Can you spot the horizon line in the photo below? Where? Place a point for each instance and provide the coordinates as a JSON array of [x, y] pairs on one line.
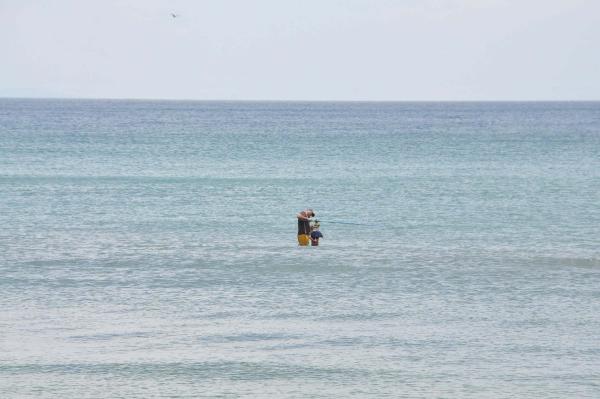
[[292, 100]]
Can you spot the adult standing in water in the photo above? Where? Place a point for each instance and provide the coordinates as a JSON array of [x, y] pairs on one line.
[[304, 226]]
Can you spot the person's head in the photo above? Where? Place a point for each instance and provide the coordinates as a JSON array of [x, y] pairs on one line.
[[311, 213]]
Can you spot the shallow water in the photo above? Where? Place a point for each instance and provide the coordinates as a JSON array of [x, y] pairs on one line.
[[148, 249]]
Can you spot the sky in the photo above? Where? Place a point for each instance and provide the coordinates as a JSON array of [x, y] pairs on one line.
[[346, 50]]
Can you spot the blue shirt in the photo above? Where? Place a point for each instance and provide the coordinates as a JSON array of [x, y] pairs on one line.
[[316, 234]]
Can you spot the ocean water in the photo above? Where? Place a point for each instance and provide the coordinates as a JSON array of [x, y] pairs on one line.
[[148, 249]]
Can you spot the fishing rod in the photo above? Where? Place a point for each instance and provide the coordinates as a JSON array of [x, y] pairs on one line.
[[352, 223]]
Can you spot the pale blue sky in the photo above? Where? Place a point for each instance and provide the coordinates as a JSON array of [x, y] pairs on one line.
[[302, 50]]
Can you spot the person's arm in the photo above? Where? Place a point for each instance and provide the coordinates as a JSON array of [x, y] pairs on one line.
[[302, 216]]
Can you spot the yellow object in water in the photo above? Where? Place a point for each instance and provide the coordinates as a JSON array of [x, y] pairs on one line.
[[303, 239]]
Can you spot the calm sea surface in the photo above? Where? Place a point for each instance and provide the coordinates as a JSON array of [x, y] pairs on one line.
[[148, 249]]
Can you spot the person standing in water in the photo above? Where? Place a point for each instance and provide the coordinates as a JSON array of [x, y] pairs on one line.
[[304, 226]]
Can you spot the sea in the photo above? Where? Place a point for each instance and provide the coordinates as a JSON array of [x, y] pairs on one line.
[[148, 249]]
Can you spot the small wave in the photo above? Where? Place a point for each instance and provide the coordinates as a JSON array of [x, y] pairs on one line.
[[249, 337], [245, 371], [566, 261], [109, 336]]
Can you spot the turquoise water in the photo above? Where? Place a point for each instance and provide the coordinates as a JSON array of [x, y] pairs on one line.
[[148, 249]]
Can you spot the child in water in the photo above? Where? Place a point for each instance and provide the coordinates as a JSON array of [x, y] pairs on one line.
[[315, 234]]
